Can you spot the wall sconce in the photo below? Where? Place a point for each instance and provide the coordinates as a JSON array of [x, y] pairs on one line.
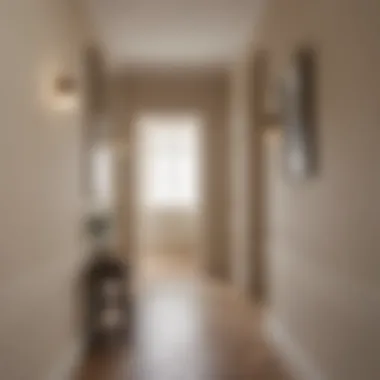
[[65, 93]]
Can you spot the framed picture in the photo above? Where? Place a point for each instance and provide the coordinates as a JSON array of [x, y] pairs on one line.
[[298, 116]]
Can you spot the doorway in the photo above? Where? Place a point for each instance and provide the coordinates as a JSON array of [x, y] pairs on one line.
[[169, 196]]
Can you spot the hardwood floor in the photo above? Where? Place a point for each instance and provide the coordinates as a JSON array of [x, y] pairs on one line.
[[188, 329]]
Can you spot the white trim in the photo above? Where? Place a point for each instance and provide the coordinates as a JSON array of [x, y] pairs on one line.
[[67, 363], [290, 351]]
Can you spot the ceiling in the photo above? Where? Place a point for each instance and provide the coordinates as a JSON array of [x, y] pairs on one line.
[[196, 33]]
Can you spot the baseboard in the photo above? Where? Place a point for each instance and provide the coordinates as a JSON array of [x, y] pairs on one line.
[[294, 357], [68, 362]]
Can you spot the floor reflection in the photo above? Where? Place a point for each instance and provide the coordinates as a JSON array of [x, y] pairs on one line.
[[188, 328]]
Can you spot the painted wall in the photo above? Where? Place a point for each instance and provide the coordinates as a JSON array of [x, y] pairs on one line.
[[241, 168], [173, 92], [322, 234], [39, 194]]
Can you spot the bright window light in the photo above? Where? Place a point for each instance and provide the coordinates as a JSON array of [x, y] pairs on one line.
[[170, 159]]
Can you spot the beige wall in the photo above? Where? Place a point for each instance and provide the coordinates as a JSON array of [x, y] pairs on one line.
[[174, 92], [39, 193], [241, 197], [323, 238]]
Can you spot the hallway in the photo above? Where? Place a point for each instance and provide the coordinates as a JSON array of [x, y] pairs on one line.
[[263, 154], [188, 328]]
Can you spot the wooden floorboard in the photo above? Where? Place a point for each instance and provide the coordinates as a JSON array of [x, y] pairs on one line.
[[188, 329]]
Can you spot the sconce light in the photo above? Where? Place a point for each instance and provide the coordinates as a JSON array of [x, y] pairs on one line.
[[65, 93]]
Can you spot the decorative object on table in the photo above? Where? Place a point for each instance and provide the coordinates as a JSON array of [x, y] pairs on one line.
[[107, 301], [106, 283], [298, 115]]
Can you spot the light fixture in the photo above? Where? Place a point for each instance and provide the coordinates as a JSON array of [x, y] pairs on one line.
[[65, 93]]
